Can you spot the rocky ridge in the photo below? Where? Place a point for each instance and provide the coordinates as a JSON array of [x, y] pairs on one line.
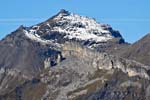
[[69, 57]]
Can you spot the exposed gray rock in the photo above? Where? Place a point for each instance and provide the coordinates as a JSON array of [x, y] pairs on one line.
[[70, 57]]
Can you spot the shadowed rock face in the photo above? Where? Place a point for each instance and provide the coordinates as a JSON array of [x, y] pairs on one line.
[[70, 57]]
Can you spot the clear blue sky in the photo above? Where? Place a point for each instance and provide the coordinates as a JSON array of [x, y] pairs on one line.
[[130, 17]]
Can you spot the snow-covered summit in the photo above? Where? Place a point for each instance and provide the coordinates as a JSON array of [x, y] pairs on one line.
[[73, 27], [81, 28]]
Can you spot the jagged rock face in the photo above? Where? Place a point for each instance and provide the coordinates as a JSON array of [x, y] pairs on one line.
[[66, 58], [29, 48], [89, 75]]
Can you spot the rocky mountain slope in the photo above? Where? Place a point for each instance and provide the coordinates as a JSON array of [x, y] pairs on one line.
[[86, 75], [139, 51], [70, 57]]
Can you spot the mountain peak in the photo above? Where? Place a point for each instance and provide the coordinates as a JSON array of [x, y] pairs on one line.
[[63, 12], [21, 27], [145, 38], [147, 35], [70, 26], [52, 61]]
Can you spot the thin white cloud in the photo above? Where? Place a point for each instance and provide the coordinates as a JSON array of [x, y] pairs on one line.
[[31, 20]]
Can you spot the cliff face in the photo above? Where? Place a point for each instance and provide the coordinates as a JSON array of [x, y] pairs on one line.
[[91, 75], [86, 74], [70, 57]]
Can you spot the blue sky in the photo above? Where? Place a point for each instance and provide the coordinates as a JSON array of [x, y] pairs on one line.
[[130, 17]]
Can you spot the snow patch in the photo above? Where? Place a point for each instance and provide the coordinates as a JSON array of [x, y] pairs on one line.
[[32, 34], [48, 25], [81, 28]]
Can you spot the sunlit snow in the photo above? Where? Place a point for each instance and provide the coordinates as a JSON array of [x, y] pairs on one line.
[[82, 28], [75, 27]]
